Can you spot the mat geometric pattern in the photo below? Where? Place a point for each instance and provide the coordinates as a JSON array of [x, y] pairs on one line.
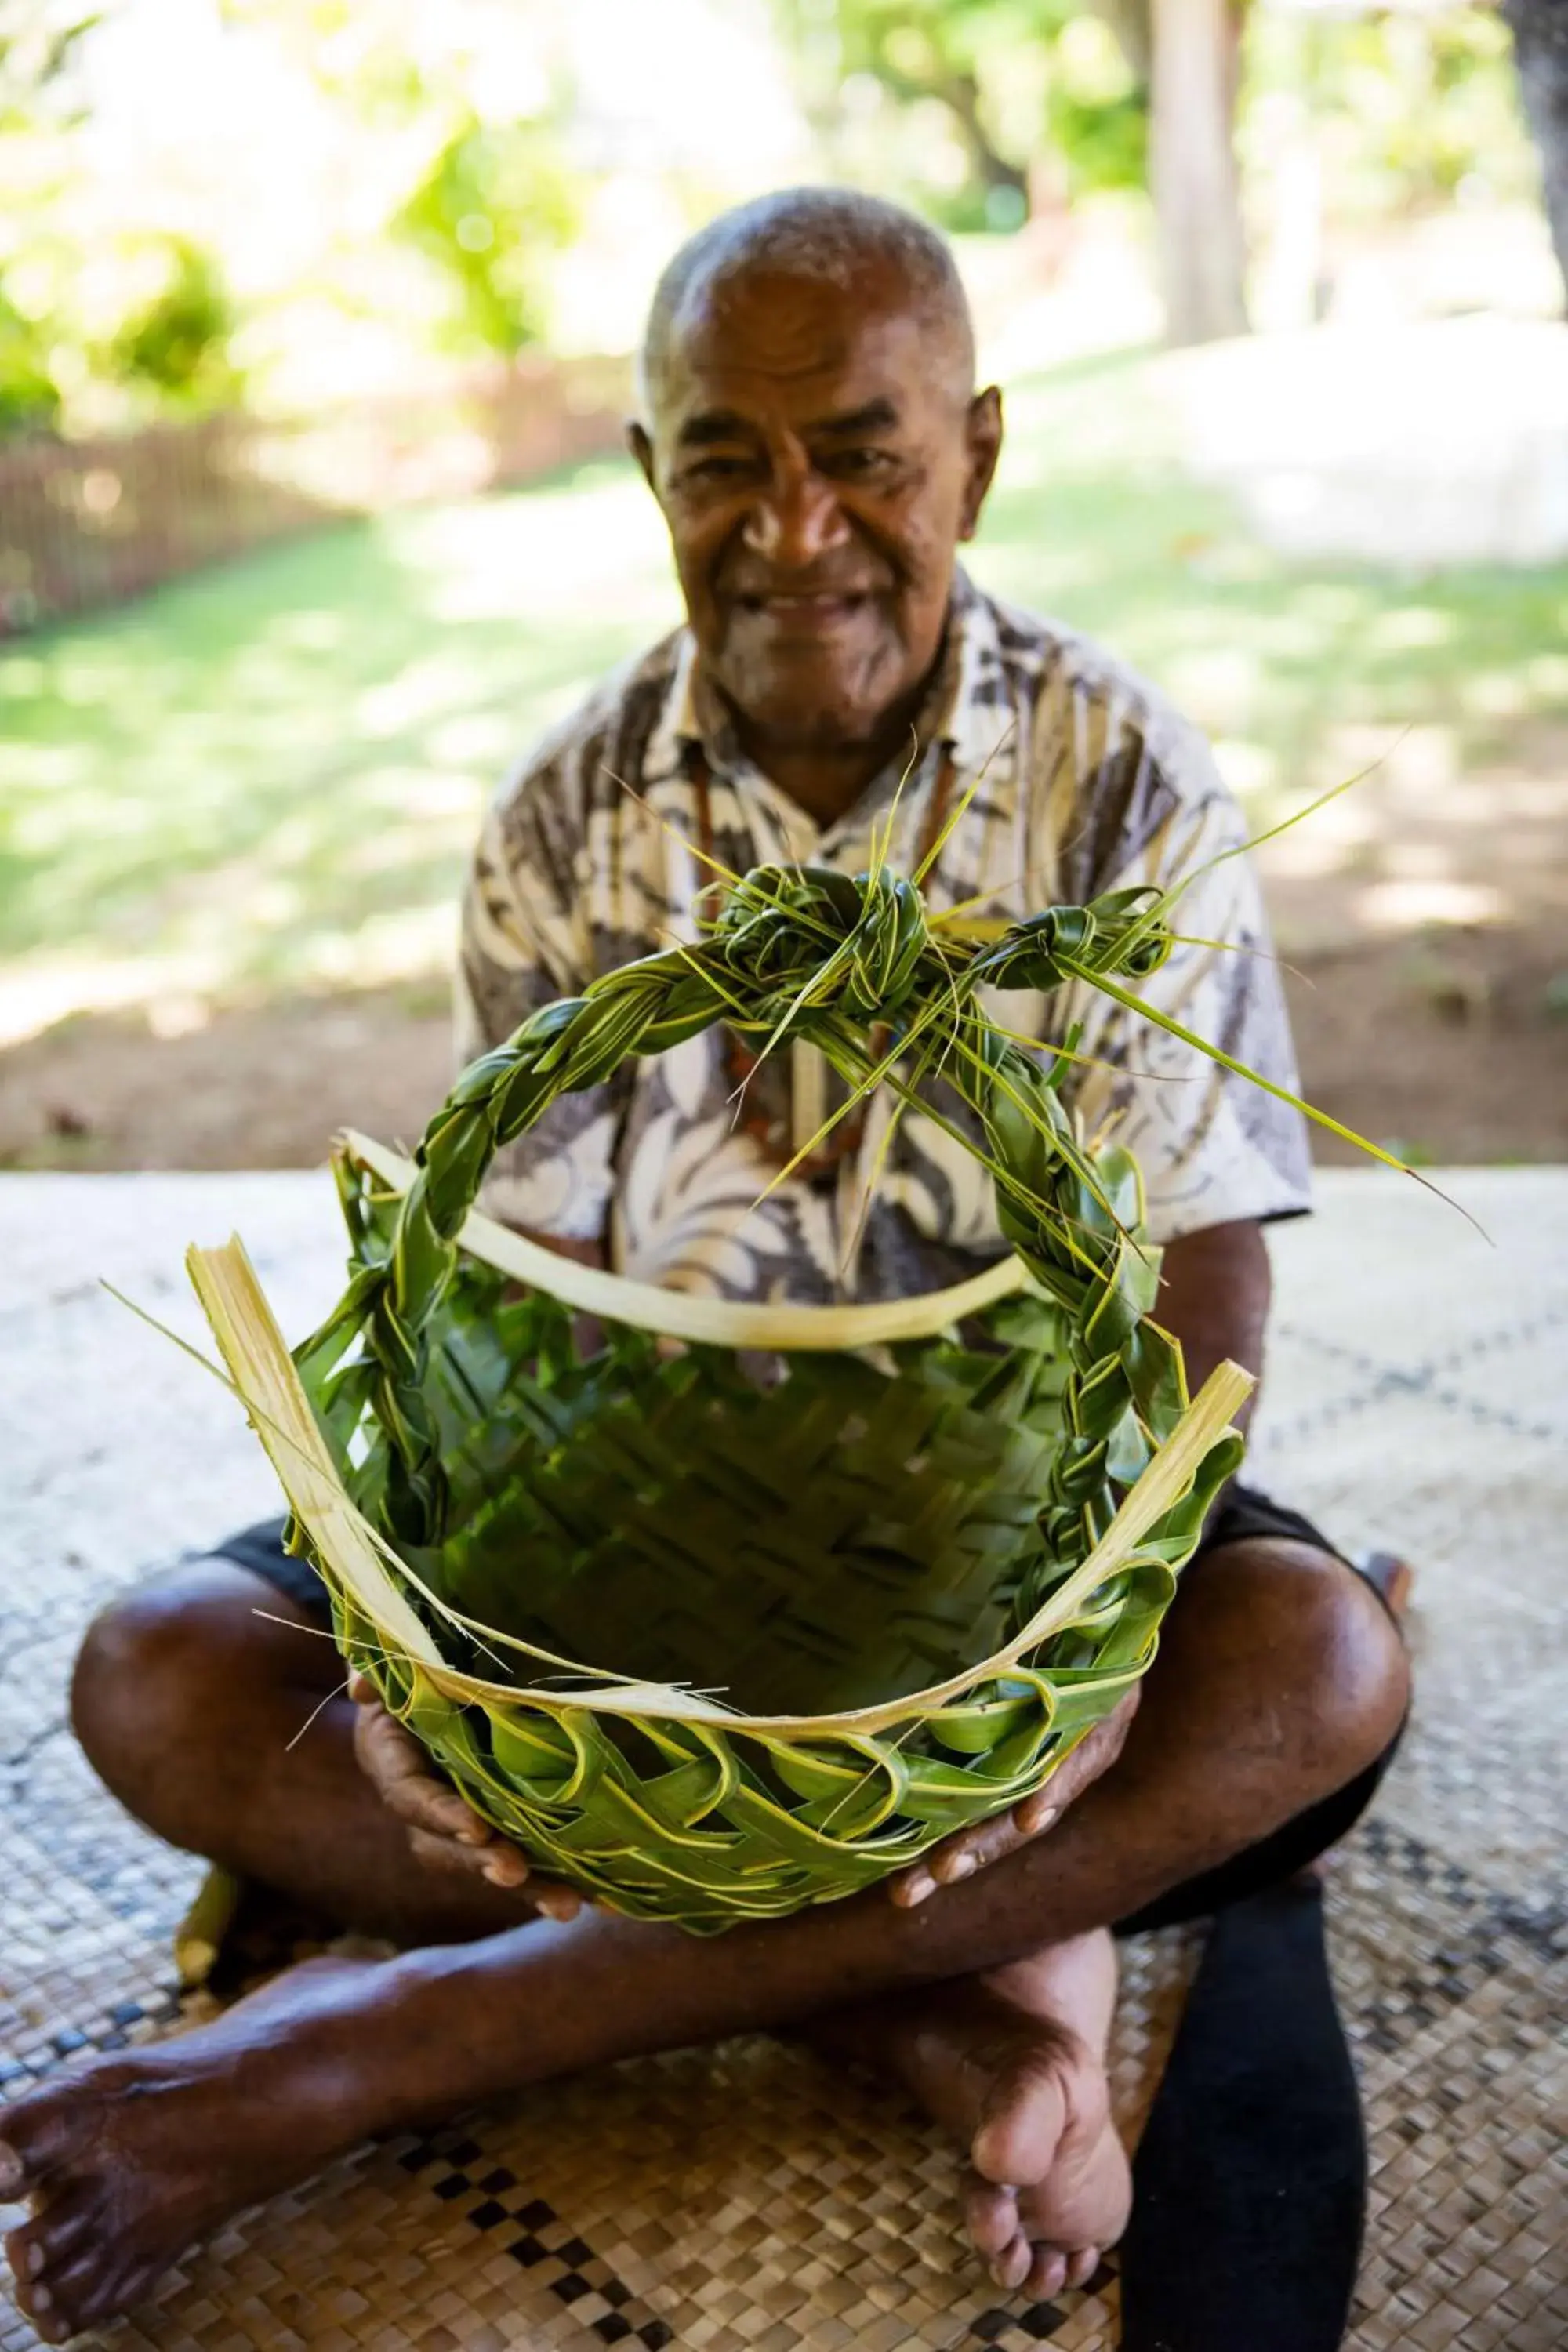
[[1416, 1398]]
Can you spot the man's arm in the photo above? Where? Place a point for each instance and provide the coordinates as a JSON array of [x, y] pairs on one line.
[[1215, 1289]]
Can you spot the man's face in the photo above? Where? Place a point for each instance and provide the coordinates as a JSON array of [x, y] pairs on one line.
[[818, 466]]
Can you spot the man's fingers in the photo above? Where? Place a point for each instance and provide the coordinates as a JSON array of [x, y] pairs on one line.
[[444, 1831], [505, 1865], [557, 1901], [1036, 1813], [976, 1849], [400, 1772], [443, 1853], [1094, 1754], [511, 1870], [501, 1866], [957, 1858], [960, 1857]]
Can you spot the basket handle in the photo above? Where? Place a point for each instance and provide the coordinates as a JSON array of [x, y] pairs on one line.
[[811, 952]]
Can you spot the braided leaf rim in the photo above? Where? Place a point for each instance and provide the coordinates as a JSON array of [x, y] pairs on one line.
[[802, 951]]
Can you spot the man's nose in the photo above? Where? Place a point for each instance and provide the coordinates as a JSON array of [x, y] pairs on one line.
[[796, 519]]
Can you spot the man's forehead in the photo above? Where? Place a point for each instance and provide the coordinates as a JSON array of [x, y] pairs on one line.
[[813, 362], [751, 300]]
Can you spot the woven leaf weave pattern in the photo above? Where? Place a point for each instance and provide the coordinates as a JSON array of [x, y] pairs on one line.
[[849, 1534]]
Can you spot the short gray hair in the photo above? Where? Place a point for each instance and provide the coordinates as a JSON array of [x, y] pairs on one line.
[[825, 234]]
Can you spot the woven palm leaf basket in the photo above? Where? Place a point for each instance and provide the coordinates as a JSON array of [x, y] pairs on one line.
[[710, 1644]]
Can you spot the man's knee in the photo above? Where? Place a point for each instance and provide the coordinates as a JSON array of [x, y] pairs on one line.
[[1328, 1657], [157, 1678]]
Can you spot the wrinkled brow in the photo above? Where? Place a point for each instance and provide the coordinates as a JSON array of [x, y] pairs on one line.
[[877, 416], [713, 424]]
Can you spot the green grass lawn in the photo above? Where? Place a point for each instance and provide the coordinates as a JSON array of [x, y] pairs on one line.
[[266, 776]]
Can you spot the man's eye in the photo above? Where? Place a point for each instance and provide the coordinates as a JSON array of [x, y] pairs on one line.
[[859, 464], [717, 469]]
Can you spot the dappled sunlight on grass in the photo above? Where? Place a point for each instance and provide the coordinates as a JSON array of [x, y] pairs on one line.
[[234, 779], [1094, 520], [269, 773]]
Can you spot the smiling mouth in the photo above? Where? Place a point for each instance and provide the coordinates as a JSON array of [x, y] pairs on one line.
[[815, 608]]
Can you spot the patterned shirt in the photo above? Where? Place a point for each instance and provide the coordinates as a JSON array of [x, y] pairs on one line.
[[1088, 781]]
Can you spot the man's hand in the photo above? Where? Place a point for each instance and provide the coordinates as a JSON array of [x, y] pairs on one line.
[[444, 1831], [960, 1857]]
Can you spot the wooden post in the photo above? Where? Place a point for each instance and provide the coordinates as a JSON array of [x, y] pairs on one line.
[[1193, 172]]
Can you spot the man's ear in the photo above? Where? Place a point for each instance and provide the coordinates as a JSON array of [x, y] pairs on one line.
[[641, 448], [983, 437]]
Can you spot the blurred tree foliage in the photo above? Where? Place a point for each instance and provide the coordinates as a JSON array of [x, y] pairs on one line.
[[1097, 101], [1405, 107], [36, 43], [177, 344], [1053, 98], [1413, 103], [29, 396], [495, 201], [1019, 82], [130, 290], [419, 171]]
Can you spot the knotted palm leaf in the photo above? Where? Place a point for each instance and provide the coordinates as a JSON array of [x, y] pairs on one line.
[[713, 1645]]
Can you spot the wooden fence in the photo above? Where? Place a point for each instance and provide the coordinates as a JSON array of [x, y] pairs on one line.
[[90, 522]]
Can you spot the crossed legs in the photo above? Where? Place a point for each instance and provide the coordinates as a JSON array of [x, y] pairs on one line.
[[1280, 1679]]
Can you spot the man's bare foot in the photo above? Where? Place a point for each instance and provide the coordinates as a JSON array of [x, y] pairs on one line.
[[131, 2160], [1015, 2063]]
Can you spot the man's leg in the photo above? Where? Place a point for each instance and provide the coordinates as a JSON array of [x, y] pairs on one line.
[[1280, 1679], [213, 1706], [246, 1695]]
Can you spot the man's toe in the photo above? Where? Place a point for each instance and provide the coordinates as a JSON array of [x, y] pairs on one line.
[[69, 2221], [1011, 2267], [37, 2304], [1048, 2272], [82, 2293], [991, 2217], [41, 2134], [25, 2254]]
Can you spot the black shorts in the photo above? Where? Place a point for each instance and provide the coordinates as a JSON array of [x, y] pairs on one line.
[[1242, 1514]]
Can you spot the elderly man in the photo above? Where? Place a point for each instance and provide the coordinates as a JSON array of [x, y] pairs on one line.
[[811, 431]]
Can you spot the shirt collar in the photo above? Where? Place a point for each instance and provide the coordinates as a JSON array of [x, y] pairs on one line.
[[968, 712]]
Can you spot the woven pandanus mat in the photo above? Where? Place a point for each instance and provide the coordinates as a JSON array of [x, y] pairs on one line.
[[748, 2196]]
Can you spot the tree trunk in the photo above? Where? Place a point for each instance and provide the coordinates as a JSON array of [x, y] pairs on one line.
[[961, 94], [1540, 29], [1193, 173]]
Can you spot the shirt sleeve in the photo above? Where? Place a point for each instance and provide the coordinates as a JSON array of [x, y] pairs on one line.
[[1213, 1147], [525, 943]]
